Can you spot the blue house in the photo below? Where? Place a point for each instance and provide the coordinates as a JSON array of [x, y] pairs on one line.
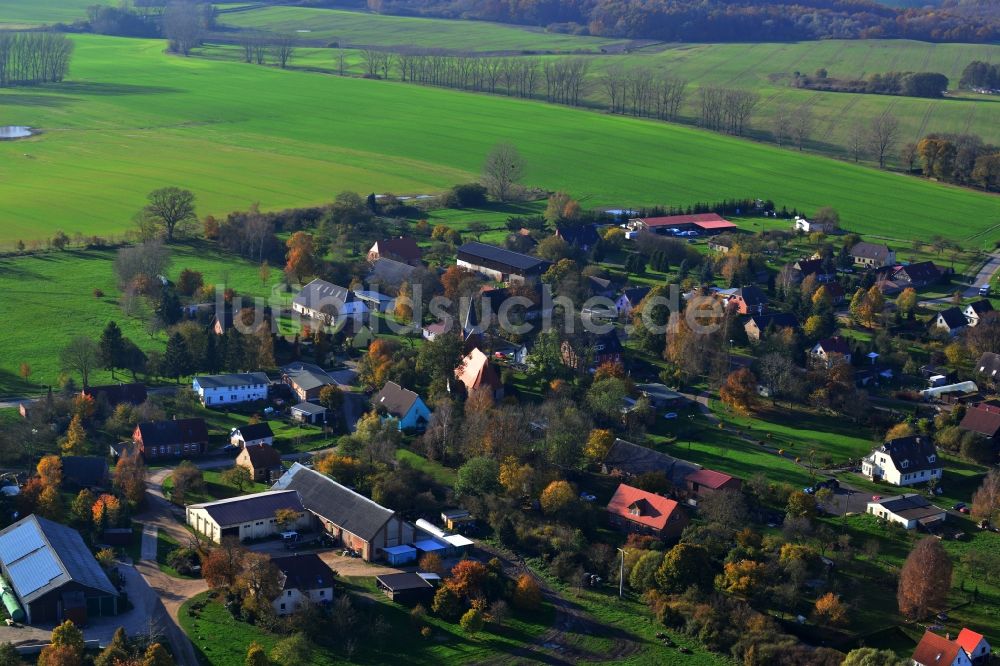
[[403, 405]]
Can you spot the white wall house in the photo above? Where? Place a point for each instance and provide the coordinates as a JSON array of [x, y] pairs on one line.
[[245, 517], [305, 580], [910, 511], [903, 462], [214, 390], [253, 434]]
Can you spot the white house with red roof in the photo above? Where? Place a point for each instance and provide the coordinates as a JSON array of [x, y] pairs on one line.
[[706, 481], [934, 650], [975, 646], [635, 510]]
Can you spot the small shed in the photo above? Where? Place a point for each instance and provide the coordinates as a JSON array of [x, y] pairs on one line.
[[405, 588], [399, 555], [308, 412], [430, 546], [452, 518]]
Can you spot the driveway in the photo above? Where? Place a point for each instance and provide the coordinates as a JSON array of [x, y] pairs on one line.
[[848, 500]]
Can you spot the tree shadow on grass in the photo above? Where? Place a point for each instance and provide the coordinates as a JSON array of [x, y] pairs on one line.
[[51, 101], [110, 89]]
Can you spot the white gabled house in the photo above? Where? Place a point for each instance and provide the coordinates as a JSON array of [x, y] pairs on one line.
[[903, 462], [231, 389], [305, 580], [909, 510]]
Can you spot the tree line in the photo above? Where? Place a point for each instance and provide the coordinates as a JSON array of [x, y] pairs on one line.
[[963, 159], [721, 20], [641, 91], [980, 75], [906, 84], [30, 58]]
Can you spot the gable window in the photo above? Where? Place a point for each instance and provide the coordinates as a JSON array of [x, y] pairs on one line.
[[904, 464], [931, 458]]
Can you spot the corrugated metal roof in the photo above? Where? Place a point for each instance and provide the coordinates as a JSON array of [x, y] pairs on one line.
[[40, 555], [242, 509]]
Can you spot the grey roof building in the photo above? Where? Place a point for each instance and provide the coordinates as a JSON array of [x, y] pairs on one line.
[[499, 263], [360, 523], [244, 517], [53, 573], [628, 459], [235, 380]]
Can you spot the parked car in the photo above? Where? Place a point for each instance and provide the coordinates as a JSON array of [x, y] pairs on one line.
[[670, 415], [587, 497], [876, 498], [959, 506]]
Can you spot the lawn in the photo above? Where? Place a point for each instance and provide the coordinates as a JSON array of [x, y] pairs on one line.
[[443, 475], [447, 645], [697, 441], [215, 489], [356, 29], [130, 114], [52, 296]]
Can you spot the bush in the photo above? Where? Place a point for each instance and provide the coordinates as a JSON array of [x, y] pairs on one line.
[[468, 195]]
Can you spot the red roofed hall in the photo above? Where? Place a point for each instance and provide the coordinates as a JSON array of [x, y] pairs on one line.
[[705, 222], [975, 646], [934, 650], [635, 510], [706, 481]]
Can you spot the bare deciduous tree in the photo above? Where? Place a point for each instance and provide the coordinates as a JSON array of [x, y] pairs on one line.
[[781, 125], [856, 140], [183, 25], [81, 355], [504, 166], [882, 136], [801, 125], [282, 50]]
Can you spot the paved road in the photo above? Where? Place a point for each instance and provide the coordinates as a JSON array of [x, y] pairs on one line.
[[984, 276]]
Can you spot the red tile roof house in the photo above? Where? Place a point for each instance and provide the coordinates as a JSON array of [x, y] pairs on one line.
[[403, 249], [934, 650], [707, 223], [983, 419], [635, 510], [707, 481], [975, 646]]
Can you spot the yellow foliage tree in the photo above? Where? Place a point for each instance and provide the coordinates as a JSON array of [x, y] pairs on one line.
[[557, 496], [598, 444], [744, 578], [75, 443], [899, 431], [514, 476], [740, 391], [107, 510]]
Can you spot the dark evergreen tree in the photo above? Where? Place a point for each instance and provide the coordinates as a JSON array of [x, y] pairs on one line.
[[169, 307], [177, 358]]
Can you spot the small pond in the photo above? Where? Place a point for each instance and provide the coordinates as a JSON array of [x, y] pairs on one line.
[[14, 132]]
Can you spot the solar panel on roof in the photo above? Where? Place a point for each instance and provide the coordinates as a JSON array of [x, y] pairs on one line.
[[19, 542], [34, 571]]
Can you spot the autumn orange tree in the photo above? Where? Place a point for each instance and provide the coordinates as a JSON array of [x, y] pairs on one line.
[[829, 609], [301, 257], [222, 566], [468, 579], [527, 594], [925, 579], [106, 511], [373, 369], [739, 391], [130, 478], [50, 471]]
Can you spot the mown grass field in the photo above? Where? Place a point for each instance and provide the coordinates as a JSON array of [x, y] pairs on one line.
[[134, 119], [349, 28], [764, 67], [49, 298], [26, 13]]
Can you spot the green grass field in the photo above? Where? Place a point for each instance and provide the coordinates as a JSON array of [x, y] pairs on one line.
[[350, 28], [138, 119], [50, 297], [26, 13], [765, 67]]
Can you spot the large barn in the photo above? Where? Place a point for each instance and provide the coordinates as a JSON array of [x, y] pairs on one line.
[[53, 574]]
